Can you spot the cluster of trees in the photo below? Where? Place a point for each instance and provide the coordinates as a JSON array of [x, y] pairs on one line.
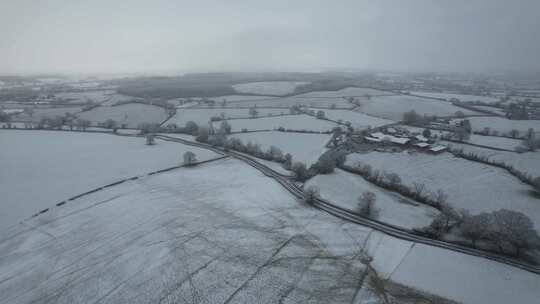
[[509, 231], [366, 204], [517, 111], [530, 141], [4, 117]]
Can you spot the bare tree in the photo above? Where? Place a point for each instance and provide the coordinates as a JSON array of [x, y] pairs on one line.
[[150, 140], [311, 194], [366, 204], [202, 134], [516, 229], [419, 189], [300, 170], [189, 158], [476, 227]]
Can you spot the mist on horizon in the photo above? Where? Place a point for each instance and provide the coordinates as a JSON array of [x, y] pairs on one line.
[[59, 36]]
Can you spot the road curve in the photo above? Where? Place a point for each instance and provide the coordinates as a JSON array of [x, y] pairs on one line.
[[354, 217]]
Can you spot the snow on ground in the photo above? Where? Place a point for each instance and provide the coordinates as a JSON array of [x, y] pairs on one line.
[[229, 98], [268, 87], [292, 122], [465, 279], [503, 125], [321, 102], [42, 168], [393, 107], [495, 141], [469, 185], [344, 189], [303, 147], [492, 109], [52, 112], [83, 97], [461, 97], [347, 92], [131, 114], [527, 162], [168, 238], [358, 120], [202, 116]]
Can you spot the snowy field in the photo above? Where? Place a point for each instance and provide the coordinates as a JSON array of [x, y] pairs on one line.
[[393, 107], [527, 162], [268, 87], [303, 147], [492, 109], [461, 97], [292, 122], [131, 114], [503, 125], [202, 116], [167, 238], [83, 97], [495, 141], [42, 168], [358, 120], [347, 92], [469, 185], [52, 112], [344, 189], [321, 102]]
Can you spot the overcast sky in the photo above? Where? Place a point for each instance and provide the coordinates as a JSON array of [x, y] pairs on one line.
[[103, 36]]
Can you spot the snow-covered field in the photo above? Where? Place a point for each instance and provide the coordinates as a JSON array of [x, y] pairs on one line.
[[202, 116], [268, 87], [358, 120], [503, 125], [344, 189], [42, 168], [470, 185], [322, 102], [292, 122], [527, 162], [492, 109], [303, 147], [167, 238], [347, 92], [495, 141], [461, 97], [83, 97], [52, 112], [393, 107], [131, 114]]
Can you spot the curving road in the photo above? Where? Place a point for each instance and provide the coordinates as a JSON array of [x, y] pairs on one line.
[[351, 216]]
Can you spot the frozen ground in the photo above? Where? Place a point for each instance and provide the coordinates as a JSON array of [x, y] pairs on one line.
[[167, 238], [527, 162], [52, 112], [292, 122], [322, 102], [492, 109], [344, 189], [268, 87], [495, 141], [503, 125], [131, 114], [83, 97], [42, 168], [358, 120], [393, 107], [303, 147], [461, 97], [469, 185], [202, 116], [347, 92]]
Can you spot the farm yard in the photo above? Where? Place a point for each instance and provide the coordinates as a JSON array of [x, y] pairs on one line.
[[393, 107], [203, 116], [469, 185], [131, 114], [268, 87], [344, 189], [36, 174], [302, 146], [288, 122]]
